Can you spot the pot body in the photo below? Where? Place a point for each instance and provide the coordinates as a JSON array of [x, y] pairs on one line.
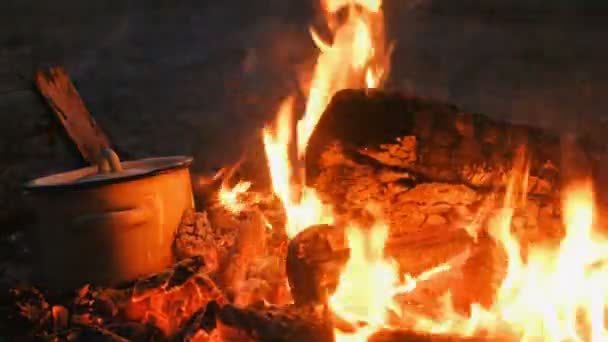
[[110, 233]]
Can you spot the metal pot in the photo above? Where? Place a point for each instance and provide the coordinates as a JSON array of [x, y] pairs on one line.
[[111, 223]]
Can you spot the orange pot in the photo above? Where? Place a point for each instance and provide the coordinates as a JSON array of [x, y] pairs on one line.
[[104, 227]]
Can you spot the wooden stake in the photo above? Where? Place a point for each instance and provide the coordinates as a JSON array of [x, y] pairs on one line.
[[63, 98]]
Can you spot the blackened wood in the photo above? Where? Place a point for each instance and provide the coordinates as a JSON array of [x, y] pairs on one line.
[[409, 336], [289, 324], [444, 144], [309, 323], [314, 260], [63, 98]]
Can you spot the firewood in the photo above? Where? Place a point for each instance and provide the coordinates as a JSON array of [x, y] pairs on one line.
[[314, 260], [408, 336], [287, 323], [436, 141], [307, 323], [88, 333], [63, 98], [317, 255], [429, 165]]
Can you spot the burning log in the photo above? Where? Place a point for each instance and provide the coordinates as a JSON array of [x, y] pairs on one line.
[[432, 141], [428, 164], [318, 254], [314, 260]]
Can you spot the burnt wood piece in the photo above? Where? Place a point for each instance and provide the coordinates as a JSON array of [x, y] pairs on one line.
[[286, 323], [408, 336], [317, 255], [307, 323], [435, 142], [63, 98]]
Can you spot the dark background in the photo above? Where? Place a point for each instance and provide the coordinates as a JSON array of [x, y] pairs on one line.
[[201, 77]]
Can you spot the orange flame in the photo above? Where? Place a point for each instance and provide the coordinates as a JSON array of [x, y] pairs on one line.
[[355, 59], [276, 145], [556, 294], [367, 282], [306, 210], [230, 198]]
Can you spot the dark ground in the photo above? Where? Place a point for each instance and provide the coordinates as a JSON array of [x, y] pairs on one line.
[[201, 77]]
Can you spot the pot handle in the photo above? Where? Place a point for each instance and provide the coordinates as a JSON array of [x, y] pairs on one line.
[[119, 219], [108, 161]]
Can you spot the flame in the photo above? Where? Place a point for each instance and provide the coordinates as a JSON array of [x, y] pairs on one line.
[[230, 198], [369, 284], [365, 289], [553, 293], [276, 144], [556, 293], [354, 59], [308, 209]]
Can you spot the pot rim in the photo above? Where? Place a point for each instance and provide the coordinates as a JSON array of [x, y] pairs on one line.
[[80, 178]]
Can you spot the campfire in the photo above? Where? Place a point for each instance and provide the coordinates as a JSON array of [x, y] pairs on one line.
[[389, 218]]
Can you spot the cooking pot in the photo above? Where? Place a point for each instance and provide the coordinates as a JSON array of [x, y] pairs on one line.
[[110, 223]]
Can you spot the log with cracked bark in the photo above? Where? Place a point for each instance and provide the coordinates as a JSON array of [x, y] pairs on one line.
[[429, 165], [317, 255]]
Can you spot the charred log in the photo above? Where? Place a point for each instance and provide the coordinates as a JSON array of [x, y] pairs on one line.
[[408, 336], [314, 260], [308, 323], [289, 323], [317, 255], [436, 141], [429, 165]]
